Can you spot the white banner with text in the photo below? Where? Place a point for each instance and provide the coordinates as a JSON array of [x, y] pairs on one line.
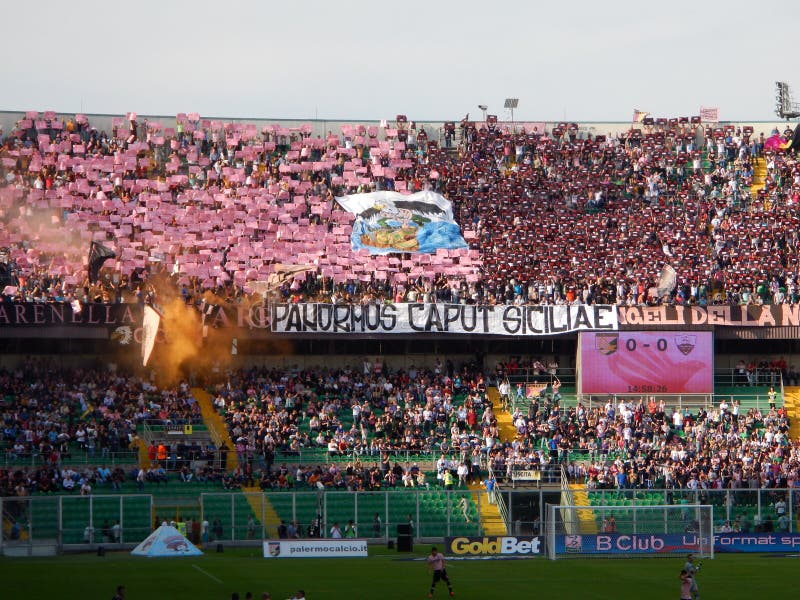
[[315, 548], [405, 318]]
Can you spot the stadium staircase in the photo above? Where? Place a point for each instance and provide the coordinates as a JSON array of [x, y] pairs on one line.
[[759, 175], [491, 519], [504, 424], [141, 449], [8, 523], [791, 401], [216, 425], [262, 508], [579, 497], [259, 503], [586, 517]]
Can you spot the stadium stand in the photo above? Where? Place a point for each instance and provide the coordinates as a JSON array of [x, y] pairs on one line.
[[218, 205], [351, 413], [52, 413], [550, 217]]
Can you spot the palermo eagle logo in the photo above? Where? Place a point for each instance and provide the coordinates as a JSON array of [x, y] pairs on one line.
[[123, 335], [573, 543], [606, 343]]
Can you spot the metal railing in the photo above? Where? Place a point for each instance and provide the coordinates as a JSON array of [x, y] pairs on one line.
[[748, 510], [524, 375], [682, 402], [321, 455], [754, 378], [75, 458], [432, 514], [495, 497], [156, 431], [567, 499], [748, 503], [166, 425], [531, 472], [722, 377], [75, 521], [85, 522], [691, 402]]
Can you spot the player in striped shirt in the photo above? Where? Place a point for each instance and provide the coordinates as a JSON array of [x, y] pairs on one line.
[[436, 564]]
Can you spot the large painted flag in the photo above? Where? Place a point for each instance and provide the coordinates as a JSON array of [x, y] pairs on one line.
[[388, 222]]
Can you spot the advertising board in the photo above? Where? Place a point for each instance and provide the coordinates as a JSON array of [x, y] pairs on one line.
[[508, 545], [315, 548], [657, 544]]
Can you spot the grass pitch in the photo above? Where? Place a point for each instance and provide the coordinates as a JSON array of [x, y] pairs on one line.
[[386, 575]]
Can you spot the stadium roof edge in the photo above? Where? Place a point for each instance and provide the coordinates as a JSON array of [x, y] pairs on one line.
[[358, 120]]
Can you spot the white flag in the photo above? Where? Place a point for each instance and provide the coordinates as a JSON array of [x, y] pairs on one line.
[[205, 310], [667, 281], [150, 323]]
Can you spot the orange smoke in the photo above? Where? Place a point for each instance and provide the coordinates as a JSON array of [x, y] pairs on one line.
[[183, 348]]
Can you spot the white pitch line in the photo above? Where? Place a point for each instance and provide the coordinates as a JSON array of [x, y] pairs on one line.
[[207, 574]]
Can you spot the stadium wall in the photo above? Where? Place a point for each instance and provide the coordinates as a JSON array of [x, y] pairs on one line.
[[298, 358], [321, 127]]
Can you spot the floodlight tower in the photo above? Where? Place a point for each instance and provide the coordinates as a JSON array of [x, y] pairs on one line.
[[511, 104], [785, 108], [483, 109]]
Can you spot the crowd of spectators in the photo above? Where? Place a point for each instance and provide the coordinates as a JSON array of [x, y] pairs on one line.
[[644, 443], [58, 479], [372, 473], [372, 418], [370, 413], [50, 412], [557, 216], [382, 427], [215, 204], [367, 418], [564, 219]]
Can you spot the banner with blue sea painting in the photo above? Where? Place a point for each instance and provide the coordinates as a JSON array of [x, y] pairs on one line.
[[390, 222]]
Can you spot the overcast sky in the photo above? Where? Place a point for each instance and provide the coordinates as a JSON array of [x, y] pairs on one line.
[[432, 60]]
